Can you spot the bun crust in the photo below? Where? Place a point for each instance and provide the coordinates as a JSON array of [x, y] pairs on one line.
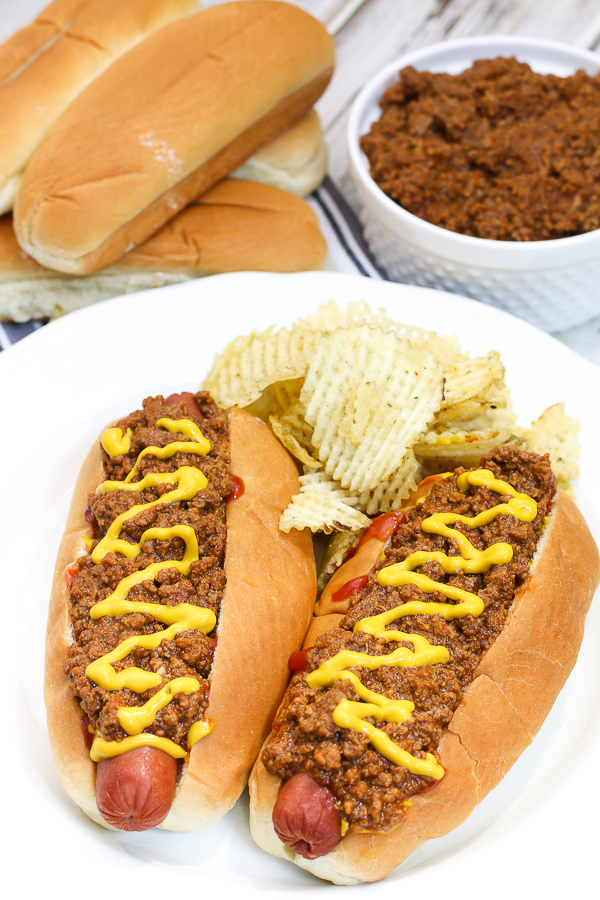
[[45, 65], [196, 99], [271, 584], [515, 687]]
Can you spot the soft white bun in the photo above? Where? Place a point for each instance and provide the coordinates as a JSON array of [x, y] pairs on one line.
[[163, 124], [45, 65], [267, 605], [236, 226], [515, 685], [295, 161]]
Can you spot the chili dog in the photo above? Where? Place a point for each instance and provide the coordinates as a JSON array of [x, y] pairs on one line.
[[174, 590], [423, 682]]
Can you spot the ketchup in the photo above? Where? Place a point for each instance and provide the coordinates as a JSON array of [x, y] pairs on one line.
[[351, 587], [189, 400], [429, 785], [70, 574], [237, 490], [381, 528], [298, 662], [88, 737]]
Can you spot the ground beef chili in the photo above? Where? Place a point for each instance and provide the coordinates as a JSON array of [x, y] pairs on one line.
[[369, 789], [190, 653], [497, 152]]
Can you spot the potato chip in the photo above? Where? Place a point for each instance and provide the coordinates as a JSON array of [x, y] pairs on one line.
[[251, 363], [340, 544], [556, 433], [330, 318], [474, 417], [389, 494], [276, 399], [294, 433], [322, 505], [321, 483], [461, 448], [478, 381], [369, 395]]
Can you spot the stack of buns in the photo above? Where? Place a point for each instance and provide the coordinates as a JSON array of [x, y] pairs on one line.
[[197, 97]]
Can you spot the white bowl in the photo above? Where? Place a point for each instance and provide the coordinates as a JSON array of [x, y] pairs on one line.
[[553, 284]]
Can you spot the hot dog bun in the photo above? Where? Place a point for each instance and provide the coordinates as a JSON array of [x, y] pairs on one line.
[[267, 605], [45, 65], [195, 100], [501, 710], [236, 226], [295, 161]]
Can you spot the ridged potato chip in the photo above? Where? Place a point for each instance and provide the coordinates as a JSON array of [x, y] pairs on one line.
[[322, 505], [556, 433], [295, 434], [376, 406], [369, 395], [330, 317], [251, 363], [389, 494], [478, 381]]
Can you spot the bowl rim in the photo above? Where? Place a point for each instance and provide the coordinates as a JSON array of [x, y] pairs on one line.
[[359, 164]]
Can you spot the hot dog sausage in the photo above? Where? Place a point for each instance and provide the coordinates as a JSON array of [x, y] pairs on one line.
[[305, 817], [135, 791], [190, 402]]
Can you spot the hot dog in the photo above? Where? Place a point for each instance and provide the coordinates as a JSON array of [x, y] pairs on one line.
[[476, 597], [173, 591]]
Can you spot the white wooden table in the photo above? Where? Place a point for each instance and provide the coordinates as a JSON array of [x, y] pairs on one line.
[[371, 33]]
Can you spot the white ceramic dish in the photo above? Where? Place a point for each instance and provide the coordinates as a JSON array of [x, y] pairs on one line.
[[552, 284], [58, 387]]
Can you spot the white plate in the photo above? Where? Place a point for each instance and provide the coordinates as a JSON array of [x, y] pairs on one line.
[[537, 832]]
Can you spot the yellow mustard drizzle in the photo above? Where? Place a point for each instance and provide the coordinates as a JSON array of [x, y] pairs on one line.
[[115, 442], [351, 714], [182, 617], [197, 443]]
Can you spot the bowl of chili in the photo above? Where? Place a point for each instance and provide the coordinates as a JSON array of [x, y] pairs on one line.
[[478, 173]]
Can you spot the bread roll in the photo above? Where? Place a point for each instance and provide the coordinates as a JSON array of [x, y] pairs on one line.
[[295, 161], [45, 65], [163, 124], [237, 226]]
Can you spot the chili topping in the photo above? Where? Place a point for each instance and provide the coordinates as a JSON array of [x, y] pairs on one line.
[[145, 599]]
